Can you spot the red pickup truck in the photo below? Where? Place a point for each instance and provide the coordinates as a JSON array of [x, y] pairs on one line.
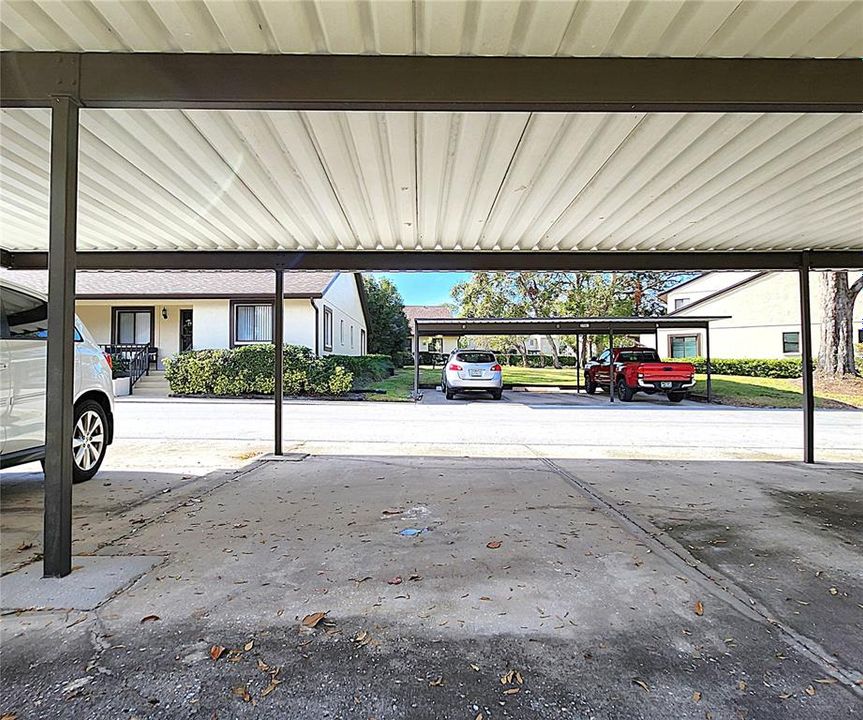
[[639, 369]]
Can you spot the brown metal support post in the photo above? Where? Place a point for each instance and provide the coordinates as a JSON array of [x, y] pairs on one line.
[[610, 365], [416, 360], [806, 362], [59, 410], [707, 358], [279, 367], [577, 364]]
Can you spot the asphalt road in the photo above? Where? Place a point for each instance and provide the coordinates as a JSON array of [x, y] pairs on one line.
[[555, 425]]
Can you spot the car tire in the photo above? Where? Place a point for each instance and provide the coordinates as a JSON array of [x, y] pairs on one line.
[[676, 397], [449, 394], [89, 440], [589, 386], [624, 392], [497, 394]]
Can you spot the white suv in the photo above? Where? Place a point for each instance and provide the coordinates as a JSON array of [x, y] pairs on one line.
[[23, 350]]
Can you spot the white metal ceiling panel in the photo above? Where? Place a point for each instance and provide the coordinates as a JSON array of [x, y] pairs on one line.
[[633, 28], [173, 180]]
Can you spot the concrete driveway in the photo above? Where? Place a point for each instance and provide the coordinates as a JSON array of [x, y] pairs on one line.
[[620, 589], [559, 571]]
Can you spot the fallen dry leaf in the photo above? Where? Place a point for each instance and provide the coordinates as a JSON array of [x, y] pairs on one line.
[[415, 577], [809, 690], [699, 608], [150, 618], [696, 696], [834, 591], [13, 716], [392, 511], [475, 667], [241, 691], [21, 548], [249, 645], [272, 686], [479, 716], [785, 696], [312, 620], [397, 580], [741, 685], [641, 684], [437, 682], [262, 666], [826, 681], [511, 691], [494, 544], [216, 651]]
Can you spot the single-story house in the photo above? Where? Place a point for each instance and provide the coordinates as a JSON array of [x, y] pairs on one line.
[[177, 310], [763, 310], [440, 343]]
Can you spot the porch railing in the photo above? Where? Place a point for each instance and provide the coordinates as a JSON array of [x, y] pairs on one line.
[[137, 357]]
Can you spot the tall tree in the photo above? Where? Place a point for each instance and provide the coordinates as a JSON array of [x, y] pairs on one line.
[[836, 354], [388, 326], [512, 294], [645, 287]]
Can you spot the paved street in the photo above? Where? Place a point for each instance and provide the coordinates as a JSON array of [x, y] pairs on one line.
[[553, 424]]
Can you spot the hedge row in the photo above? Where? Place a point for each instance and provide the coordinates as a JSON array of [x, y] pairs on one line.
[[366, 368], [248, 370], [750, 367]]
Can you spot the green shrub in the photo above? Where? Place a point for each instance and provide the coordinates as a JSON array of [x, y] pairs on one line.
[[749, 367], [403, 359], [366, 368], [248, 370]]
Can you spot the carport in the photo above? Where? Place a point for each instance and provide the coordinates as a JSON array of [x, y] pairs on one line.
[[415, 162], [579, 327]]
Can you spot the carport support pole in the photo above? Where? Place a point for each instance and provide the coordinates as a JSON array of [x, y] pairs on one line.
[[610, 364], [577, 364], [279, 342], [806, 362], [416, 360], [707, 359], [59, 408]]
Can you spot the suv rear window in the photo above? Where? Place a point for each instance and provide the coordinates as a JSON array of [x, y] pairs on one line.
[[476, 357]]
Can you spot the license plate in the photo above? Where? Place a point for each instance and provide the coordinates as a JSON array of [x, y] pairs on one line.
[[666, 384], [476, 373]]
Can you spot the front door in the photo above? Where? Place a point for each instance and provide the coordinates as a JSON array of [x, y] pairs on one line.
[[185, 330]]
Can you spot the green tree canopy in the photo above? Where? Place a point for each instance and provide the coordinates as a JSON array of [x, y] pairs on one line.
[[388, 326]]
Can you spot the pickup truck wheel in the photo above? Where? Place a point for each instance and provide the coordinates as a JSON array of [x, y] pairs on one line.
[[89, 440], [624, 392], [589, 386], [676, 397]]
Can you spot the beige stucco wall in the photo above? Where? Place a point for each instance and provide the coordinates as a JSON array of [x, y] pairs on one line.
[[760, 312], [343, 299]]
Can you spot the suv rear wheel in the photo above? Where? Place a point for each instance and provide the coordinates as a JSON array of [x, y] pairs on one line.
[[89, 440]]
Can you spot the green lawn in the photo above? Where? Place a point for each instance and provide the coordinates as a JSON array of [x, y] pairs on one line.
[[778, 392], [727, 389]]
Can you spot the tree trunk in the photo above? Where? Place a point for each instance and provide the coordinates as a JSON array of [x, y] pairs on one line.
[[555, 355], [836, 355]]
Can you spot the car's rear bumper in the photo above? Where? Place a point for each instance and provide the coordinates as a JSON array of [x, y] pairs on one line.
[[657, 384]]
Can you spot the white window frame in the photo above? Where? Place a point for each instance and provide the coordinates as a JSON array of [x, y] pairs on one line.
[[328, 328]]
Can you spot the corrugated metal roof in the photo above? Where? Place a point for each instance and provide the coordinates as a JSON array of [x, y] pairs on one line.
[[174, 180], [170, 283], [679, 28]]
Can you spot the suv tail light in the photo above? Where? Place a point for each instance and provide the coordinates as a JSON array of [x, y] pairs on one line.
[[109, 360], [496, 368], [453, 366]]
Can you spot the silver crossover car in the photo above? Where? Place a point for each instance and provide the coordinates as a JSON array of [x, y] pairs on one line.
[[468, 370]]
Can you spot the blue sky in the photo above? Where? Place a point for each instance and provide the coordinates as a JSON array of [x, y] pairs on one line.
[[425, 288]]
